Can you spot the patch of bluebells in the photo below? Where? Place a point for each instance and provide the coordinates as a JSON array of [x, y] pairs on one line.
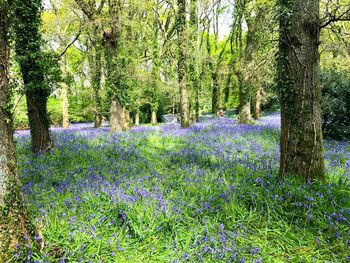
[[110, 193]]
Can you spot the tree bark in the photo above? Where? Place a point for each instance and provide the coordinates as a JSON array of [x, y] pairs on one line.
[[26, 16], [96, 76], [65, 105], [126, 120], [257, 102], [181, 27], [154, 118], [64, 95], [14, 219], [300, 93], [215, 93], [244, 116], [137, 118], [116, 116], [38, 121]]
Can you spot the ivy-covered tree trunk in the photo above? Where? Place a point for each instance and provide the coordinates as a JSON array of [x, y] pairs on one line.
[[181, 38], [215, 103], [26, 23], [300, 93], [115, 67], [14, 219]]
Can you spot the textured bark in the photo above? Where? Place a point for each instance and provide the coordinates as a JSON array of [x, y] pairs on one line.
[[156, 63], [194, 67], [197, 113], [244, 110], [38, 120], [300, 93], [65, 114], [116, 116], [257, 102], [154, 118], [137, 119], [181, 27], [126, 120], [14, 218], [64, 94], [246, 76], [26, 18], [215, 93]]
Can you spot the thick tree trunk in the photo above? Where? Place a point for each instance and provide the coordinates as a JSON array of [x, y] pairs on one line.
[[154, 118], [300, 93], [181, 27], [137, 118], [26, 22], [65, 105], [244, 113], [126, 120], [14, 218], [98, 120], [116, 116], [257, 102], [38, 120]]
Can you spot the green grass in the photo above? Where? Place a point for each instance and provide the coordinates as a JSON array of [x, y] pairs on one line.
[[157, 196]]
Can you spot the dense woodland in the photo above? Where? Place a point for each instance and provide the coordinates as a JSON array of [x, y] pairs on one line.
[[277, 161]]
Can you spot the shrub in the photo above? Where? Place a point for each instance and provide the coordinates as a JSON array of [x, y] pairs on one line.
[[335, 105]]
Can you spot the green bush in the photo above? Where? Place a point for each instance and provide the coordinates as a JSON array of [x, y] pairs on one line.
[[335, 104]]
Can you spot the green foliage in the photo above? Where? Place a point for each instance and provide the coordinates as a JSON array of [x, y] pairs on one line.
[[335, 105]]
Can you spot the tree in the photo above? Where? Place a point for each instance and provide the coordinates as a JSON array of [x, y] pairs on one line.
[[14, 220], [182, 66], [155, 65], [26, 23], [93, 12], [62, 26], [300, 93]]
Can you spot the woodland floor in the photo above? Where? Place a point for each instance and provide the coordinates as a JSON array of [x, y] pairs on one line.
[[162, 194]]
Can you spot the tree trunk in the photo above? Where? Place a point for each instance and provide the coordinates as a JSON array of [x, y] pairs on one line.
[[38, 121], [126, 120], [300, 93], [116, 116], [154, 118], [96, 75], [14, 219], [244, 114], [244, 110], [181, 27], [257, 102], [137, 118], [65, 114], [197, 113], [215, 93], [26, 21]]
